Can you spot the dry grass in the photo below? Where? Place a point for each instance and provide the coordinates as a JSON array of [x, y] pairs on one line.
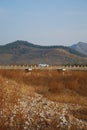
[[66, 87], [69, 86], [10, 93], [81, 113]]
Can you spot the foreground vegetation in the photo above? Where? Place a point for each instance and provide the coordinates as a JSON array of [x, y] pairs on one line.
[[65, 87], [69, 86]]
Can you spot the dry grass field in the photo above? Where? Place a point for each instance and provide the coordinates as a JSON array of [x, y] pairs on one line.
[[69, 87]]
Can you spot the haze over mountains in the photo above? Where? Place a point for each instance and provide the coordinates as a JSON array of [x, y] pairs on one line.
[[23, 52], [81, 47]]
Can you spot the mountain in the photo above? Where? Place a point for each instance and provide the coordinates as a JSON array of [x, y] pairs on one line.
[[80, 47], [23, 52]]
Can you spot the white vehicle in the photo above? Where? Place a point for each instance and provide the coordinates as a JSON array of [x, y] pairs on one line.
[[43, 65]]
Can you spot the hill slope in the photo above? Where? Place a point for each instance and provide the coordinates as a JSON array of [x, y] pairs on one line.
[[81, 47], [23, 52]]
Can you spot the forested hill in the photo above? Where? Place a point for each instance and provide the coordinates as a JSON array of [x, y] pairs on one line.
[[23, 52]]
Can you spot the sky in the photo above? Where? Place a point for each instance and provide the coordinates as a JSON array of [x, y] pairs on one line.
[[43, 22]]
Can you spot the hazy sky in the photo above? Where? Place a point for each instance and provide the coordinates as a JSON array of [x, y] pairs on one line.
[[43, 22]]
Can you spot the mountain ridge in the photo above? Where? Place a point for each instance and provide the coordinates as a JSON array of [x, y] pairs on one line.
[[17, 44], [23, 52], [81, 47]]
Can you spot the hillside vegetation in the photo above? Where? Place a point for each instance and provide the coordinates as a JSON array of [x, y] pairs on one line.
[[23, 52]]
